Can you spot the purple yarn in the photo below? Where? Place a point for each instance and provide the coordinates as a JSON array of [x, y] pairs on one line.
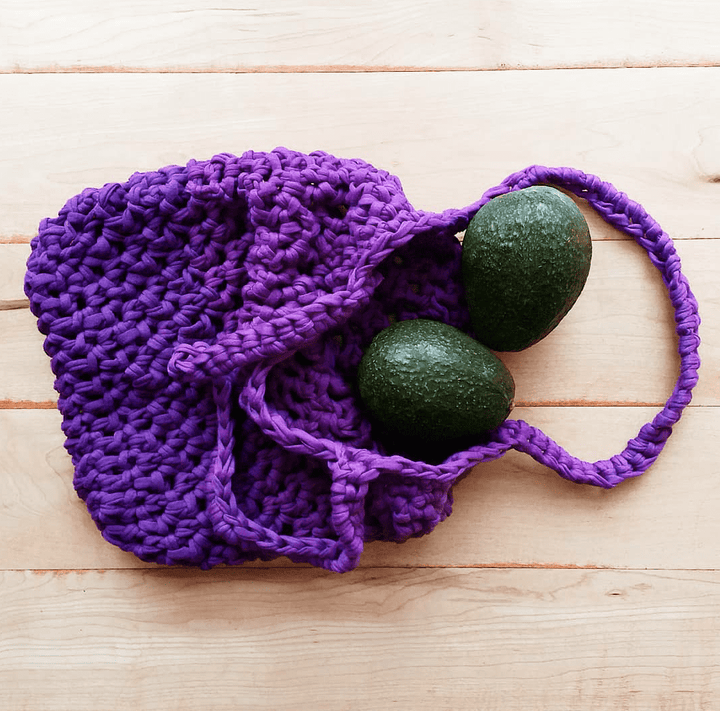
[[205, 323]]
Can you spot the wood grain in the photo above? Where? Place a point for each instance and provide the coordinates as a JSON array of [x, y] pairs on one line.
[[510, 640], [512, 512], [617, 345], [536, 593], [354, 36], [12, 274], [449, 137], [24, 366]]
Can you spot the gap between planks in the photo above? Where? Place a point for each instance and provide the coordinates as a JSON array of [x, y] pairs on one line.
[[349, 68], [52, 404], [28, 405], [24, 239], [287, 567]]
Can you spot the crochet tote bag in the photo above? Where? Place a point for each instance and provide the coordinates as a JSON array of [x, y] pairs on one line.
[[205, 324]]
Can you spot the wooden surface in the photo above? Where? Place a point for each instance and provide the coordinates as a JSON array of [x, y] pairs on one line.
[[536, 594]]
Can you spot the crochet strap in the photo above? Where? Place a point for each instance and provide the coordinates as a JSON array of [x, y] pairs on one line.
[[631, 218], [351, 470], [628, 216], [349, 475]]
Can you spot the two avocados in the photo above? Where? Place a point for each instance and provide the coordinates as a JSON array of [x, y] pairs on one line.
[[525, 259]]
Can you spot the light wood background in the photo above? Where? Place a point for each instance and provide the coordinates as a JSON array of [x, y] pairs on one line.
[[536, 594]]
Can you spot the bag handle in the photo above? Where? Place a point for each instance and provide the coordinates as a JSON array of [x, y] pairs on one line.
[[351, 469], [349, 479], [618, 210]]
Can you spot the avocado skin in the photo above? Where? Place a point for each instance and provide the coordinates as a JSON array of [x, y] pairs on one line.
[[525, 260], [426, 382]]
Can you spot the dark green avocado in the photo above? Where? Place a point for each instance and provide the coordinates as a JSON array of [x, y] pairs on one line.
[[426, 381], [525, 260]]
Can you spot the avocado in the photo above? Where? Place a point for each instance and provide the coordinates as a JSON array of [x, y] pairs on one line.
[[525, 259], [426, 381]]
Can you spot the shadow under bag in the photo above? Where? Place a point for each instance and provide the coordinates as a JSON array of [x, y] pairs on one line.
[[205, 324]]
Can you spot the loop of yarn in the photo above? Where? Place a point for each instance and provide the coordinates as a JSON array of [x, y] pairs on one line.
[[205, 323]]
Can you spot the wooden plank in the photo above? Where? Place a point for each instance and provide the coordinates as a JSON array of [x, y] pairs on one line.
[[24, 367], [616, 345], [448, 136], [354, 36], [511, 512], [516, 512], [12, 274], [422, 639]]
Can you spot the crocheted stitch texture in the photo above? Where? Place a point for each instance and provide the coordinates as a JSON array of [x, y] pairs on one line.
[[205, 324]]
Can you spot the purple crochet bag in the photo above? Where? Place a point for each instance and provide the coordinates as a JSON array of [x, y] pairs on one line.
[[205, 324]]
